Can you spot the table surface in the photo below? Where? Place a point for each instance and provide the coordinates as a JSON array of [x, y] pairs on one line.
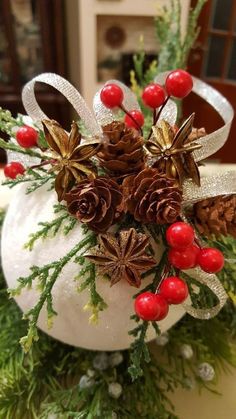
[[189, 404]]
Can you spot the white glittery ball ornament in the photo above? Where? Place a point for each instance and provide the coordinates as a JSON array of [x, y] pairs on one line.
[[101, 361], [71, 324], [186, 351], [206, 371], [189, 383], [115, 390], [86, 382], [115, 359], [162, 340]]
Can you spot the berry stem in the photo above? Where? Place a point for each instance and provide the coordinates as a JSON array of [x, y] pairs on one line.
[[131, 117], [44, 163], [161, 109], [164, 275], [156, 115]]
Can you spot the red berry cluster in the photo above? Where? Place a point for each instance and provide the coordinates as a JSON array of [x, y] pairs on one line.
[[184, 254], [155, 307], [26, 137], [178, 84]]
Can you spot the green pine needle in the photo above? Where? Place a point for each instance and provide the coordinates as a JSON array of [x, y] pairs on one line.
[[36, 178], [51, 228], [46, 277]]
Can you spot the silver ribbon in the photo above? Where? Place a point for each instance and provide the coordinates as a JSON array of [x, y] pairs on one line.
[[211, 186], [213, 283], [66, 89]]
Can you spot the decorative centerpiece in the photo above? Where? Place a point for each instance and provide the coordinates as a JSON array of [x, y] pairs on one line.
[[100, 234]]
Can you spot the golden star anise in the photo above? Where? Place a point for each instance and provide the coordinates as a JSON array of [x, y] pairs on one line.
[[175, 151], [122, 258], [71, 158]]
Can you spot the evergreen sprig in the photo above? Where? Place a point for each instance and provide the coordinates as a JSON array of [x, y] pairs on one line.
[[176, 46], [51, 228], [26, 151], [8, 122], [139, 349], [87, 280], [46, 277], [36, 177]]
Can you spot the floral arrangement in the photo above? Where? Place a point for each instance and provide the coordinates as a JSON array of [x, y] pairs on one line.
[[131, 194]]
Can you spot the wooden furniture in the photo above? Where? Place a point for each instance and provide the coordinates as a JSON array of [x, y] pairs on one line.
[[213, 59], [31, 42]]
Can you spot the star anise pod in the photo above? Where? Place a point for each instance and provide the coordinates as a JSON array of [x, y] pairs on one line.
[[72, 162], [175, 151], [123, 258]]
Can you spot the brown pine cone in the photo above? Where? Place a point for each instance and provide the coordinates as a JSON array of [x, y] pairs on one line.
[[96, 202], [122, 150], [216, 216], [152, 197]]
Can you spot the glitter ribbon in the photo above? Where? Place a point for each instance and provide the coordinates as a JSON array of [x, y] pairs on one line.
[[214, 284], [211, 186]]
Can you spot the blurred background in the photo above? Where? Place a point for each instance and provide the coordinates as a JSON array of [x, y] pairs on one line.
[[91, 41]]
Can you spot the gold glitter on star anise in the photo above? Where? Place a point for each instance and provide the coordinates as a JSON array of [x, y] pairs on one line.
[[122, 258], [72, 162], [174, 152]]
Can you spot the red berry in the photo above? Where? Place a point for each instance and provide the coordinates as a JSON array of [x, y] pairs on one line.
[[146, 306], [174, 290], [184, 258], [112, 95], [163, 307], [27, 136], [179, 83], [180, 235], [138, 117], [13, 169], [153, 95], [210, 260]]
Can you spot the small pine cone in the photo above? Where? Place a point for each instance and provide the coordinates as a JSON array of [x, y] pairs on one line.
[[152, 197], [122, 151], [216, 216], [97, 202]]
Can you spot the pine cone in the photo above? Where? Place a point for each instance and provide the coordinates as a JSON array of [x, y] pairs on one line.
[[122, 151], [152, 197], [216, 216], [97, 202]]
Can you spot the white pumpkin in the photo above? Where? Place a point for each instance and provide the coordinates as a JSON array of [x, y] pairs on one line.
[[71, 325]]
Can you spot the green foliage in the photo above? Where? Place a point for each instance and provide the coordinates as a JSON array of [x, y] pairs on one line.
[[87, 275], [36, 177], [26, 151], [51, 228], [174, 45], [139, 349], [8, 122], [46, 277]]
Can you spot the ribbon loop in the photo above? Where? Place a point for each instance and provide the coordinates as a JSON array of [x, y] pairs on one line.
[[213, 283], [66, 89]]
